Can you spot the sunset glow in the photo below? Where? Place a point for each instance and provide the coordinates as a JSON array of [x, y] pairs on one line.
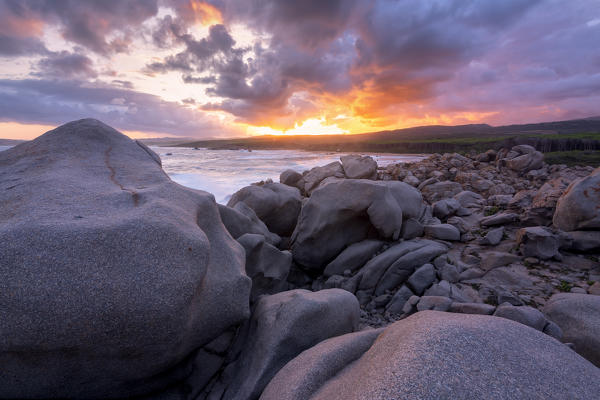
[[222, 68]]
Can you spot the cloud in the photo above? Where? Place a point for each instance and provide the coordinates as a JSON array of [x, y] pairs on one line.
[[103, 27], [276, 62], [56, 102], [66, 65]]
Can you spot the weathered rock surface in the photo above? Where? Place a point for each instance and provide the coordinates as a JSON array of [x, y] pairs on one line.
[[281, 327], [578, 315], [577, 208], [349, 211], [353, 257], [276, 204], [241, 219], [524, 158], [290, 177], [441, 190], [314, 177], [426, 356], [538, 242], [359, 167], [266, 265], [442, 232], [395, 265], [112, 274]]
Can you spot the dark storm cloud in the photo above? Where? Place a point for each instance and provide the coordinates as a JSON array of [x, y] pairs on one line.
[[198, 53], [307, 23], [19, 46], [56, 102], [66, 65], [87, 23]]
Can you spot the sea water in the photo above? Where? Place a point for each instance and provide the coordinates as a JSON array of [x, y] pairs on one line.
[[223, 172]]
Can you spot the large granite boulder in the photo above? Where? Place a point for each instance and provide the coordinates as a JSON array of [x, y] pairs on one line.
[[578, 315], [523, 158], [276, 204], [316, 175], [112, 274], [577, 208], [349, 211], [438, 355], [359, 167], [281, 327]]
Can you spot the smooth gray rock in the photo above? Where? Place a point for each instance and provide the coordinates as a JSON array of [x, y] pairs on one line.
[[267, 266], [441, 190], [353, 257], [359, 167], [524, 158], [523, 314], [583, 241], [437, 355], [276, 204], [578, 316], [281, 327], [449, 272], [495, 259], [472, 308], [411, 228], [436, 303], [553, 330], [397, 302], [442, 232], [445, 208], [577, 208], [442, 288], [349, 211], [421, 279], [499, 219], [469, 199], [493, 237], [112, 274], [539, 242], [302, 377], [392, 267], [314, 177], [290, 177], [241, 219]]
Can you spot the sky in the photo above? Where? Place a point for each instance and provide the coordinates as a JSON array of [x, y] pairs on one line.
[[223, 68]]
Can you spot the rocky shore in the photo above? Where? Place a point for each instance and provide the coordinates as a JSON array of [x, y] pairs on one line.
[[454, 277]]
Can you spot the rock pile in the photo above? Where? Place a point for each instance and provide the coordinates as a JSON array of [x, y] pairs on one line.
[[345, 281]]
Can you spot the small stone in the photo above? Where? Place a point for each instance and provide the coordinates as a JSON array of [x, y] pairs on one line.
[[472, 308], [595, 289], [422, 278], [436, 303], [443, 232], [553, 330], [531, 260], [576, 289], [493, 237], [525, 315], [449, 273]]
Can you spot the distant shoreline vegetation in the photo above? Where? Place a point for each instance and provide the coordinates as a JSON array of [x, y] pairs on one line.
[[547, 137]]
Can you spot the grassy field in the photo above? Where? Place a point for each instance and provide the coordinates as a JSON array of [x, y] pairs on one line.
[[573, 158]]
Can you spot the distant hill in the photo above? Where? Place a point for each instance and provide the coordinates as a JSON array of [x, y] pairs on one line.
[[578, 134]]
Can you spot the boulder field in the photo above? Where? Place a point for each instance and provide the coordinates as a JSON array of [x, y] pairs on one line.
[[458, 276]]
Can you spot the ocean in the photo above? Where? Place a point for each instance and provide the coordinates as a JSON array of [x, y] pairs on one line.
[[223, 172]]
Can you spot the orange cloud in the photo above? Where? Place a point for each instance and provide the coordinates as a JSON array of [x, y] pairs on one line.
[[206, 14]]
